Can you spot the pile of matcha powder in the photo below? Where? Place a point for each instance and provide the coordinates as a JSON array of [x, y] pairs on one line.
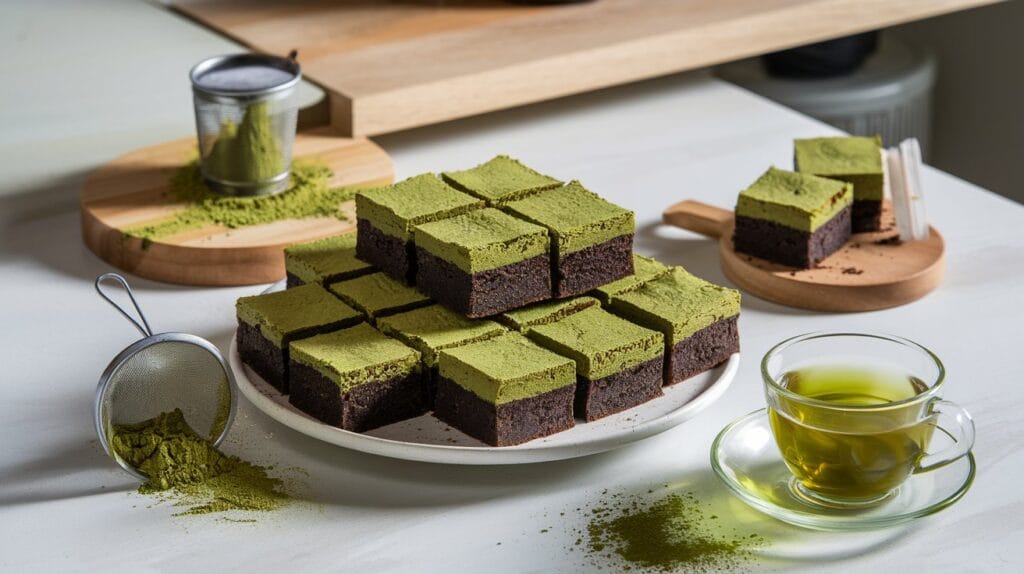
[[309, 195], [186, 469]]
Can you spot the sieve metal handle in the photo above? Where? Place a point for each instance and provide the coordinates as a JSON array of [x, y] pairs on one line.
[[144, 327]]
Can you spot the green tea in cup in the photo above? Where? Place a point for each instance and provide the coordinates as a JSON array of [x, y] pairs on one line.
[[853, 414]]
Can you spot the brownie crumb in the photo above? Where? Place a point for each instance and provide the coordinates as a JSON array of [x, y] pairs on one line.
[[891, 240], [852, 271]]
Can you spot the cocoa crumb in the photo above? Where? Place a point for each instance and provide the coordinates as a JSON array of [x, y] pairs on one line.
[[891, 240], [852, 271]]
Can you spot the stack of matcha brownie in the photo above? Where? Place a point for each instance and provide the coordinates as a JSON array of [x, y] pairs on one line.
[[505, 302]]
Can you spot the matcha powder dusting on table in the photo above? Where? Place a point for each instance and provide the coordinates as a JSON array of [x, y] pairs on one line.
[[670, 534], [188, 470]]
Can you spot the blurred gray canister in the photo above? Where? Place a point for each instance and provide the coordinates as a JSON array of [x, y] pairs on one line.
[[889, 95]]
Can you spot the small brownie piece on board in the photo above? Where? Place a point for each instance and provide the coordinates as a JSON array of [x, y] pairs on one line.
[[324, 261], [592, 239], [698, 320], [644, 269], [500, 180], [377, 295], [547, 312], [431, 329], [618, 364], [506, 390], [385, 217], [268, 323], [793, 218], [856, 160], [356, 379], [483, 262]]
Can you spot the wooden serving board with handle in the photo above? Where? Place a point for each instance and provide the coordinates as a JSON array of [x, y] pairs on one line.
[[130, 191], [872, 271]]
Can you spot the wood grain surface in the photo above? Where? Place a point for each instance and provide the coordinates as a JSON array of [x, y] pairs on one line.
[[388, 66], [872, 271], [129, 191]]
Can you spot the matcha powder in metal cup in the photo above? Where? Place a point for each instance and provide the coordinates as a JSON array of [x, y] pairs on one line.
[[246, 113], [158, 374]]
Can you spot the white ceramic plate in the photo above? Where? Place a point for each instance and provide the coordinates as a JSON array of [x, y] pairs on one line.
[[428, 439]]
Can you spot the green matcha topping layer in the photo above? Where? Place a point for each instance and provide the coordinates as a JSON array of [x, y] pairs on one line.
[[483, 239], [377, 294], [677, 304], [854, 159], [430, 329], [644, 269], [540, 313], [284, 313], [600, 343], [797, 200], [506, 368], [328, 258], [576, 217], [397, 208], [357, 356], [500, 180]]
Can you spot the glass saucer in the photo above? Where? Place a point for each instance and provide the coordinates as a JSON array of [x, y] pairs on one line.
[[745, 457]]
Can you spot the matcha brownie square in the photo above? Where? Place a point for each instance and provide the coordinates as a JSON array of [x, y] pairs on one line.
[[324, 261], [431, 329], [483, 262], [592, 239], [618, 364], [268, 323], [356, 379], [524, 318], [500, 180], [377, 295], [856, 160], [385, 218], [792, 218], [506, 390], [698, 319], [644, 269]]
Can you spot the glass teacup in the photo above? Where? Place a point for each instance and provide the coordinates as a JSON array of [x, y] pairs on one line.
[[854, 415]]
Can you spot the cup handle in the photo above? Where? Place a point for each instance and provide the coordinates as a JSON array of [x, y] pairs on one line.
[[955, 422]]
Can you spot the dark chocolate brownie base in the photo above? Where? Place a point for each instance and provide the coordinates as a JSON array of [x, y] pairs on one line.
[[293, 281], [364, 408], [267, 359], [867, 216], [392, 255], [487, 292], [616, 393], [705, 349], [788, 246], [594, 266], [270, 361], [506, 424]]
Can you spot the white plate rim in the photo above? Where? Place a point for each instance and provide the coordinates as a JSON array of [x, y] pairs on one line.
[[530, 452]]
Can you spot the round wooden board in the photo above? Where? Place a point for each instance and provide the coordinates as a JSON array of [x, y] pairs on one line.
[[872, 271], [129, 191]]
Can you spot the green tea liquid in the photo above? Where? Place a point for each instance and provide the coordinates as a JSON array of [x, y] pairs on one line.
[[850, 454]]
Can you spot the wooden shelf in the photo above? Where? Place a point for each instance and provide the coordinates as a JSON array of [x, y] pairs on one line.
[[389, 66]]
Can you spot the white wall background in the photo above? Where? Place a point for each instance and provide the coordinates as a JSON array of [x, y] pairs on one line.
[[978, 106]]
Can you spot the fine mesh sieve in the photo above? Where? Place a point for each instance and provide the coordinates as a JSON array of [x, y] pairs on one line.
[[159, 373]]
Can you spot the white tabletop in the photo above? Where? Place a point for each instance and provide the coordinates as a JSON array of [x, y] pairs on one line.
[[65, 506]]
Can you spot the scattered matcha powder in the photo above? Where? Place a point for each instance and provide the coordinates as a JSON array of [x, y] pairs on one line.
[[668, 534], [183, 467], [309, 195]]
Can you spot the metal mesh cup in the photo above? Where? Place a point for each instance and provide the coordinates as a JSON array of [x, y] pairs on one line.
[[246, 112], [158, 374]]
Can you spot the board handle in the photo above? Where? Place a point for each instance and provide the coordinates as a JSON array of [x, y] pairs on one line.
[[698, 217]]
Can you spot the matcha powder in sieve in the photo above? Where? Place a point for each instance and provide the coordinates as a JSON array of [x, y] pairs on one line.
[[187, 469]]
